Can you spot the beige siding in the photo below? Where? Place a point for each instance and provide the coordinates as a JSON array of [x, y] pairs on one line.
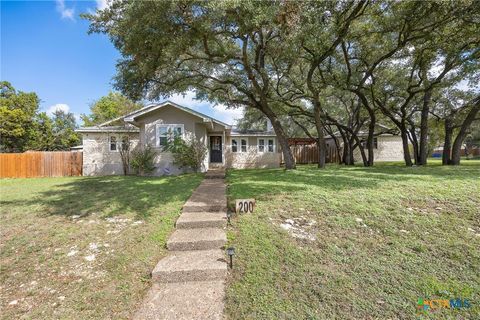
[[389, 149], [252, 158], [193, 126], [97, 157]]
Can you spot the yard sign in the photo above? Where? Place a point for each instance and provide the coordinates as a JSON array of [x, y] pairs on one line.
[[244, 205]]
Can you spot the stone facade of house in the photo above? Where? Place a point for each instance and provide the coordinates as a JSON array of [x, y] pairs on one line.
[[97, 157], [389, 148]]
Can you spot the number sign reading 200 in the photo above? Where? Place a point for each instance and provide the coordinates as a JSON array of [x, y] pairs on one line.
[[244, 205]]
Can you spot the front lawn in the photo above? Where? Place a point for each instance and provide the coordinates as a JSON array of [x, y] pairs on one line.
[[355, 243], [83, 248]]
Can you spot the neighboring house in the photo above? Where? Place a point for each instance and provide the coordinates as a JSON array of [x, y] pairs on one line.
[[156, 124], [386, 147]]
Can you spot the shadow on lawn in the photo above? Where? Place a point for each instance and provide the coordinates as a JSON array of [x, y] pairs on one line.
[[116, 195], [336, 177]]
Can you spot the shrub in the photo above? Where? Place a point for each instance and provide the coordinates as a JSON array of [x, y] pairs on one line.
[[143, 160], [188, 154]]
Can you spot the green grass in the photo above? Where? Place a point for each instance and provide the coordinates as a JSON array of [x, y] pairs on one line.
[[122, 221], [413, 241]]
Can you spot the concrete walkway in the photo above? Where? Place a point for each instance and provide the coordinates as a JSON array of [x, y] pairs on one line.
[[189, 283]]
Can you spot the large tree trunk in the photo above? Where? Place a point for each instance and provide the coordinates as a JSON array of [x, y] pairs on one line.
[[346, 147], [423, 147], [337, 148], [413, 139], [351, 154], [362, 151], [371, 136], [283, 142], [457, 145], [406, 150], [322, 147], [447, 144], [281, 136]]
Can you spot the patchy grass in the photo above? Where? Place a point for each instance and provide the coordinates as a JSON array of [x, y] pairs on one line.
[[83, 248], [383, 237]]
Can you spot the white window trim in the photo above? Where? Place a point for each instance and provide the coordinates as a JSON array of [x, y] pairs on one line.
[[265, 145], [246, 145], [110, 143], [231, 145], [274, 145], [168, 125], [239, 145], [119, 142], [258, 145]]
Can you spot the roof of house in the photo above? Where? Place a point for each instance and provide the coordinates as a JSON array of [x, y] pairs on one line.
[[108, 129], [130, 118], [237, 132]]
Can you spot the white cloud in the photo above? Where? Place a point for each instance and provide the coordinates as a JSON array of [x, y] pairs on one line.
[[59, 106], [102, 4], [228, 115], [66, 13], [219, 112]]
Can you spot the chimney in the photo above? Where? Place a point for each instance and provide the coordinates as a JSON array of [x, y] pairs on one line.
[[269, 126]]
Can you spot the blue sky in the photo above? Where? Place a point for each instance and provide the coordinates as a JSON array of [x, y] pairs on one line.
[[45, 48]]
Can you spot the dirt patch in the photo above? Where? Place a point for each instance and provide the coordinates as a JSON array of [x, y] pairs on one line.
[[299, 228]]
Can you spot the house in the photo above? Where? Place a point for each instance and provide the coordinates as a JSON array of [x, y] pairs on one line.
[[156, 124]]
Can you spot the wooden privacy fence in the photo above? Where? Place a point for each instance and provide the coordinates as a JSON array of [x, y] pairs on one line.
[[306, 151], [41, 164]]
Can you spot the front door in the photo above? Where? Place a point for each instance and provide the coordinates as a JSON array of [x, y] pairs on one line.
[[216, 149]]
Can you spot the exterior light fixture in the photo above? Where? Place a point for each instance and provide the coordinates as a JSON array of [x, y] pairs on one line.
[[229, 216], [231, 252]]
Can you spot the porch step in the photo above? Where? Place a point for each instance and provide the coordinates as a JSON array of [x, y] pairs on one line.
[[189, 220], [199, 265], [205, 207], [216, 165], [197, 239], [185, 300], [215, 174]]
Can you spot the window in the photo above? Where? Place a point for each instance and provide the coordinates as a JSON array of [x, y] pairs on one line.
[[216, 143], [271, 145], [243, 145], [113, 143], [261, 145], [167, 133], [266, 145]]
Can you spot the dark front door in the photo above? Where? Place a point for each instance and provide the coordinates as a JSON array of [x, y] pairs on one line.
[[216, 149]]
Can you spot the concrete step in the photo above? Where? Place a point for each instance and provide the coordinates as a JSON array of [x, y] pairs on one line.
[[197, 239], [189, 220], [185, 300], [215, 174], [204, 208], [205, 203], [199, 265]]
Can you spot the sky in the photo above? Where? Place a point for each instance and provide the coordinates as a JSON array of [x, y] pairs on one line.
[[46, 48]]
